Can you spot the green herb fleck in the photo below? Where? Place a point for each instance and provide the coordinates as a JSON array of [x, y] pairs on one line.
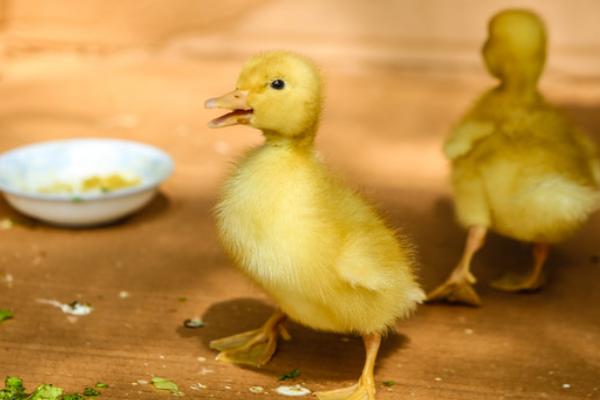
[[46, 392], [76, 199], [4, 315], [72, 396], [389, 383], [101, 385], [182, 299], [13, 383], [290, 375], [166, 384], [88, 391], [13, 389]]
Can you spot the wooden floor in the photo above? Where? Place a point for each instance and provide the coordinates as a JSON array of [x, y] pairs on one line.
[[382, 130]]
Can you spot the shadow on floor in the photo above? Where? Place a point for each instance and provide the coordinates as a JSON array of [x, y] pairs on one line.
[[320, 355]]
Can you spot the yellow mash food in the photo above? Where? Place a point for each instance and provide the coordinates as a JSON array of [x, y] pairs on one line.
[[105, 184]]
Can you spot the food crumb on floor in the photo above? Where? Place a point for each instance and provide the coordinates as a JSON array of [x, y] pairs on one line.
[[256, 389], [76, 308], [193, 323], [198, 386], [293, 391]]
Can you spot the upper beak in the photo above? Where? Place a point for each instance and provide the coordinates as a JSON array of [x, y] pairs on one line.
[[237, 101]]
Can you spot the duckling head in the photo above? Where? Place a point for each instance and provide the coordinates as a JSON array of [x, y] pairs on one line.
[[277, 92], [515, 51]]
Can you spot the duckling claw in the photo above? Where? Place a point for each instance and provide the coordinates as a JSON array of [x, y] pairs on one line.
[[232, 342], [460, 292], [513, 283], [254, 348]]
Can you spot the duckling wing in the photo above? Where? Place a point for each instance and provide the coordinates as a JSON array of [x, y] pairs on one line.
[[356, 267], [589, 149], [371, 263], [375, 269], [372, 255], [465, 135]]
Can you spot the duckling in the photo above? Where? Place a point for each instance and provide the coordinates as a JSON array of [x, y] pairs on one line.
[[519, 166], [321, 252]]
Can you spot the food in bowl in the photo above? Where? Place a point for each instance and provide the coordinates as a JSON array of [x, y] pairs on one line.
[[101, 184]]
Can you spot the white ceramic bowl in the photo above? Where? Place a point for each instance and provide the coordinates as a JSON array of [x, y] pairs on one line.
[[25, 170]]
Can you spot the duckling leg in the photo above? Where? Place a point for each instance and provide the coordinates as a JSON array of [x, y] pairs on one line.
[[458, 288], [531, 282], [255, 347], [364, 389]]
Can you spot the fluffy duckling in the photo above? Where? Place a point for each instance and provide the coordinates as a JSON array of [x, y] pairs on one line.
[[320, 251], [519, 167]]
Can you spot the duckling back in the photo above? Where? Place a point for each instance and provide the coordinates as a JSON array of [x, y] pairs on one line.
[[533, 177], [519, 165]]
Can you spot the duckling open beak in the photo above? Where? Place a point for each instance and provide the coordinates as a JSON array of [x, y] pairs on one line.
[[236, 101]]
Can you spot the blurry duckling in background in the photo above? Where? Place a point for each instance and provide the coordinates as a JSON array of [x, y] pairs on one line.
[[317, 248], [519, 167]]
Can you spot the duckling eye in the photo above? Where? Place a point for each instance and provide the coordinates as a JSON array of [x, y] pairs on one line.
[[278, 84]]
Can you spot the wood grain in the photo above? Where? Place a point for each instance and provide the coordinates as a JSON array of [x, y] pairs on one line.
[[385, 118]]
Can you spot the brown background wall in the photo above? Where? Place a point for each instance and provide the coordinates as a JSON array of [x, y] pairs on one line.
[[412, 32]]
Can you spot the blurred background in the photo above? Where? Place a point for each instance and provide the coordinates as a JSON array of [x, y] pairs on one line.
[[398, 74], [95, 67], [427, 34]]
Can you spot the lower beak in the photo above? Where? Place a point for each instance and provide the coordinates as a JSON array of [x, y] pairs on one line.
[[237, 101]]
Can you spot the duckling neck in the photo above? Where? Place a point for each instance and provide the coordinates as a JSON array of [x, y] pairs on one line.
[[300, 142], [524, 89]]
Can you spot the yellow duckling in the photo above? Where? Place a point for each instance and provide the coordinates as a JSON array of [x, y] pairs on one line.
[[316, 247], [519, 167]]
